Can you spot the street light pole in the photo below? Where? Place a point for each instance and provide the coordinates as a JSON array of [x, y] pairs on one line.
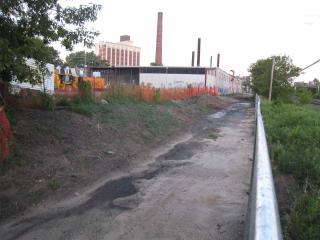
[[271, 79]]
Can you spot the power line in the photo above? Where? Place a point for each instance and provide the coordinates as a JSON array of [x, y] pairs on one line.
[[310, 65]]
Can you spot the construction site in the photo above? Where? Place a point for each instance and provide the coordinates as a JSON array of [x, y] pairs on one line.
[[117, 150]]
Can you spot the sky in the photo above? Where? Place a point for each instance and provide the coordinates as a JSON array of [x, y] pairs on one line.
[[242, 31]]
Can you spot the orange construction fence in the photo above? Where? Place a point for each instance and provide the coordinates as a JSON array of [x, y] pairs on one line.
[[5, 135], [149, 94]]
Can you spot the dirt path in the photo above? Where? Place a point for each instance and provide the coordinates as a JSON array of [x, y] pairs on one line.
[[193, 188]]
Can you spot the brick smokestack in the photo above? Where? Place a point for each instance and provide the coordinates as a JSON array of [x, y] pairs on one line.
[[199, 51], [192, 59], [159, 40], [210, 61], [218, 60]]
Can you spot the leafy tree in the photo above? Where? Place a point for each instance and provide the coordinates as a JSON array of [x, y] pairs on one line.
[[80, 58], [284, 72], [28, 27]]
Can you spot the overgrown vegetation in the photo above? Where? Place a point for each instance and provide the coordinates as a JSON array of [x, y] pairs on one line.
[[47, 102], [284, 72], [294, 138]]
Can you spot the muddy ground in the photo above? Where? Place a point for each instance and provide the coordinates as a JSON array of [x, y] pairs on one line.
[[55, 155], [193, 185]]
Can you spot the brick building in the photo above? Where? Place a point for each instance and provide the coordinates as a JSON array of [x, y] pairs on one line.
[[123, 53]]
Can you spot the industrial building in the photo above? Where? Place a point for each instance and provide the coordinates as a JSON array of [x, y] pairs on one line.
[[171, 77], [123, 53]]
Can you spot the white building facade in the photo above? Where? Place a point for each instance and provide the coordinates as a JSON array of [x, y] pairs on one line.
[[123, 53]]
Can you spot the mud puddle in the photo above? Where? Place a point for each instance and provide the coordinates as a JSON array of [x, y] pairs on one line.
[[110, 196], [182, 151]]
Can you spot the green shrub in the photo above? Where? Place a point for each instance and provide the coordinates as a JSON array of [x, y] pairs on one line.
[[157, 96], [86, 91], [119, 93], [62, 100], [47, 102], [305, 96], [54, 185]]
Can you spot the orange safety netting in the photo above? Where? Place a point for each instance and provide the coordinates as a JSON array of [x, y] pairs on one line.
[[5, 135], [149, 94]]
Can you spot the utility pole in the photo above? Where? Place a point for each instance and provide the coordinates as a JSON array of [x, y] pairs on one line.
[[85, 64], [271, 79]]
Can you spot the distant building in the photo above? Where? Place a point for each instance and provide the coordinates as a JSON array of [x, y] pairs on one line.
[[123, 53], [172, 77]]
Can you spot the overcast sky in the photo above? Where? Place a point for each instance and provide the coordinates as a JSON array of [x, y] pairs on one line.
[[242, 31]]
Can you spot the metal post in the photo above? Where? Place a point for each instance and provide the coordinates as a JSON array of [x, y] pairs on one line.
[[271, 79], [85, 64]]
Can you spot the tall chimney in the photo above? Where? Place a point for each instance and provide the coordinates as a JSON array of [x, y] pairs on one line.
[[199, 50], [210, 61], [192, 60], [218, 60], [159, 40]]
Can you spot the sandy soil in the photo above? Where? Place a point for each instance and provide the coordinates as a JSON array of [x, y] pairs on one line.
[[194, 187]]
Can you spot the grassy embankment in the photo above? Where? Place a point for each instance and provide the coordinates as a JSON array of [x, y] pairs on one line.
[[293, 134]]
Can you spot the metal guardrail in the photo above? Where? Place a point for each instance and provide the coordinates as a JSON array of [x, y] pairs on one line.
[[263, 216]]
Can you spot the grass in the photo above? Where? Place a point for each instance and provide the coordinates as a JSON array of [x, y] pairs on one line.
[[123, 111], [54, 184], [293, 134]]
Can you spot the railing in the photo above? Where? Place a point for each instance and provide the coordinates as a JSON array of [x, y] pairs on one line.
[[263, 216]]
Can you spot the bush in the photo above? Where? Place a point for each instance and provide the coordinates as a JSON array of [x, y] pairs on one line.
[[305, 96], [85, 91], [62, 100], [157, 96], [119, 93], [47, 102]]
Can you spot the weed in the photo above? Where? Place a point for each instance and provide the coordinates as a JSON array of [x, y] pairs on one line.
[[304, 220], [83, 163], [62, 100], [11, 116], [157, 96], [86, 91], [305, 96], [205, 109], [53, 184], [47, 101], [213, 136], [35, 197], [293, 134]]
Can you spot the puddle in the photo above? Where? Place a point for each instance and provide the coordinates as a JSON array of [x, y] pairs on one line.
[[217, 115], [181, 151], [111, 195]]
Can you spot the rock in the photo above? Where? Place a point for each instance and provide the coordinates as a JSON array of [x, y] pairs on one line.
[[104, 101], [130, 202], [111, 152]]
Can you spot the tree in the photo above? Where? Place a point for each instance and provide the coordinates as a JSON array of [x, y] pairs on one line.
[[284, 72], [81, 58], [28, 27], [316, 81]]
